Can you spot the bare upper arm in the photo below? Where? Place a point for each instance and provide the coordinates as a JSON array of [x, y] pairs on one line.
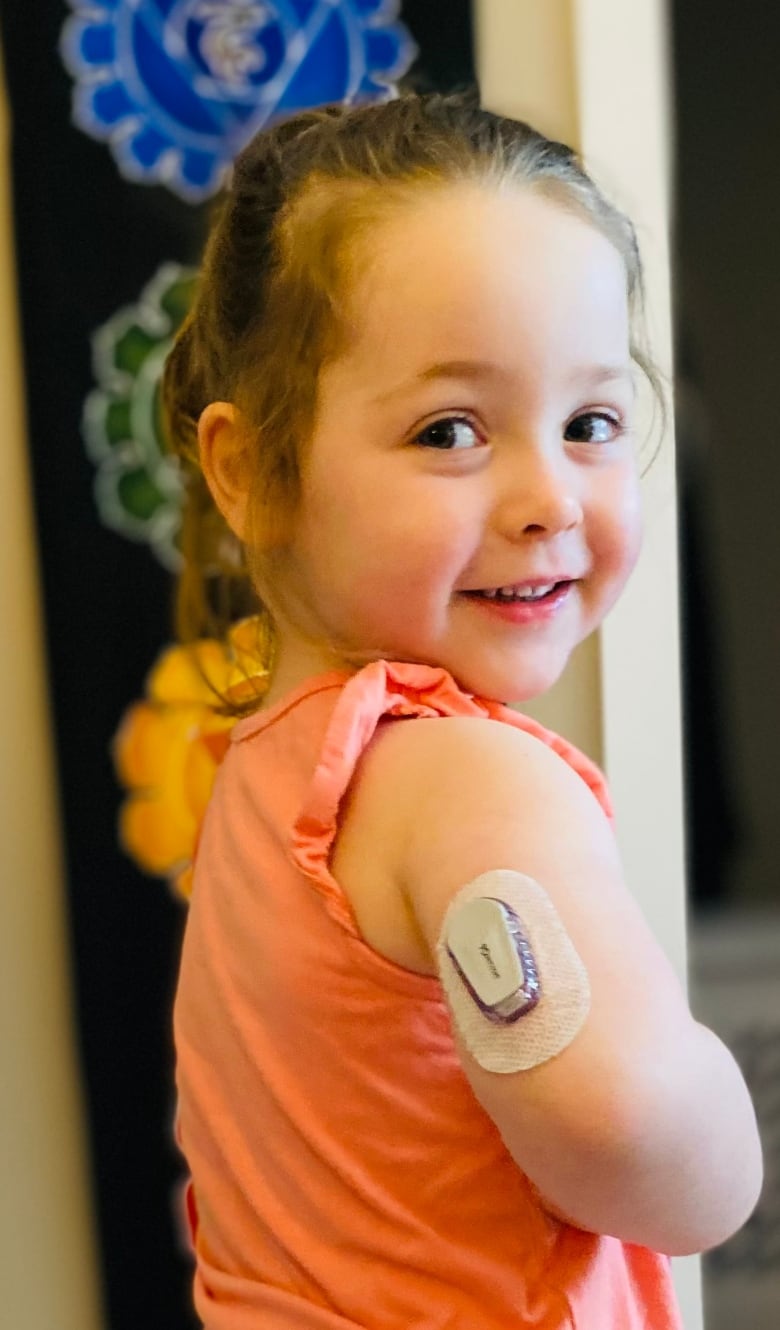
[[464, 796], [627, 1129], [478, 795]]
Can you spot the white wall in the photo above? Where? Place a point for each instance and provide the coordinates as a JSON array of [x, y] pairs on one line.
[[593, 73]]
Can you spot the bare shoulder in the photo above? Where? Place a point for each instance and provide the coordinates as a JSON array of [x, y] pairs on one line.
[[424, 764], [434, 788], [436, 802], [466, 795]]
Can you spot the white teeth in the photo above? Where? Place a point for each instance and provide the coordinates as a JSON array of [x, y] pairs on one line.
[[514, 593], [519, 593]]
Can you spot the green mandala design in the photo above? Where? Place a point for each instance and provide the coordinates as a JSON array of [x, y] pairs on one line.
[[138, 487]]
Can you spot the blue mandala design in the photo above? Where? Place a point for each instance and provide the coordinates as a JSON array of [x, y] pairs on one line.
[[177, 87]]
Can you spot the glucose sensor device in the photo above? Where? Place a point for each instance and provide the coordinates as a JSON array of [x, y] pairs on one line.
[[490, 951], [517, 990]]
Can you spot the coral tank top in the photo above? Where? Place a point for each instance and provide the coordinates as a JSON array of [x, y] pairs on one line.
[[342, 1172]]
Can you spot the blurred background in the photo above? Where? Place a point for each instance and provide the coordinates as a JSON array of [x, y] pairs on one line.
[[86, 243]]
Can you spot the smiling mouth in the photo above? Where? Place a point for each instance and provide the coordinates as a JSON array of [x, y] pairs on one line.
[[523, 593]]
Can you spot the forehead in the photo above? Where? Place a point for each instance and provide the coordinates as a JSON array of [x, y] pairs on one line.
[[476, 272]]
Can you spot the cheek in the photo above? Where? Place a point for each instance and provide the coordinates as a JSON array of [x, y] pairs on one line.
[[633, 519], [411, 530], [620, 525]]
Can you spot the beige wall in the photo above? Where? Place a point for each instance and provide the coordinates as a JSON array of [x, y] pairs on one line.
[[593, 72], [47, 1261]]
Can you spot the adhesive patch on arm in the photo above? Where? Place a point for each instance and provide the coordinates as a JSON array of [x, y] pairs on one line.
[[517, 990]]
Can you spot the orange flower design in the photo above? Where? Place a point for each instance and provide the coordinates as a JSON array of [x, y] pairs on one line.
[[169, 746]]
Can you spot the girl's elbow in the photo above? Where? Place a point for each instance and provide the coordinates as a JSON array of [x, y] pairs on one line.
[[718, 1218], [700, 1175]]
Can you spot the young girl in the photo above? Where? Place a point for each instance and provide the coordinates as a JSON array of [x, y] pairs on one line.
[[409, 382]]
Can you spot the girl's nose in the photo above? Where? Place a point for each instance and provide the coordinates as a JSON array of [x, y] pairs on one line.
[[541, 500]]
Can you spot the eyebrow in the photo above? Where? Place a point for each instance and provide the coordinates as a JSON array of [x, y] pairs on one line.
[[482, 370], [594, 375]]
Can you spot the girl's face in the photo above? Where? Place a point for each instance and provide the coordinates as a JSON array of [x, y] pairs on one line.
[[470, 491]]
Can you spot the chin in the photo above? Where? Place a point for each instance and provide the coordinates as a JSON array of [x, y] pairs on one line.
[[528, 692], [507, 686]]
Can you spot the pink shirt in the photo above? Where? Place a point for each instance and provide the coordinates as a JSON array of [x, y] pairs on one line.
[[343, 1173]]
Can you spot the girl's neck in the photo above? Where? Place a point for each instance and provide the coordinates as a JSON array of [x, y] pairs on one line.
[[295, 663]]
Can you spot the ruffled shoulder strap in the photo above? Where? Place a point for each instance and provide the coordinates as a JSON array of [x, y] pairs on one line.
[[390, 688]]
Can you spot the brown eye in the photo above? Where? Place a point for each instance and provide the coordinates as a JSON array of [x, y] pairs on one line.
[[593, 427], [449, 433]]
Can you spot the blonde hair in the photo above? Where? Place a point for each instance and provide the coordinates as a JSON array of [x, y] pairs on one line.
[[281, 260]]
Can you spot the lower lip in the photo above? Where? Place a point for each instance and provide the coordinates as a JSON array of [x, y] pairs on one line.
[[525, 611]]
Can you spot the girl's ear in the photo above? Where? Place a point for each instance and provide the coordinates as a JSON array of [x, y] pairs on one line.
[[225, 462]]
